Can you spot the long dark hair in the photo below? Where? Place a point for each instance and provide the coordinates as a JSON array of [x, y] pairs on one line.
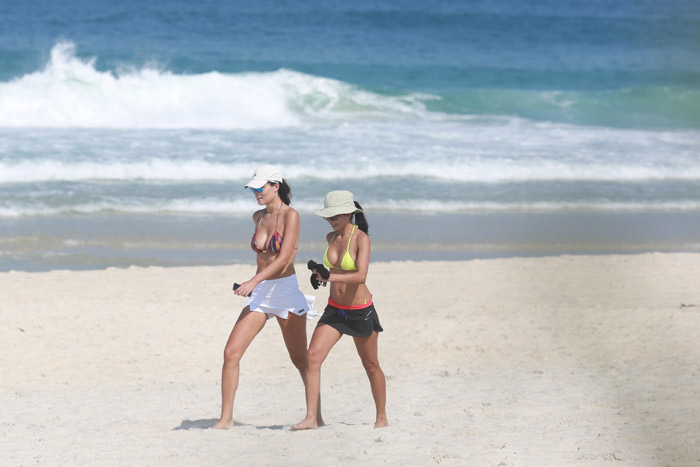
[[285, 191], [360, 220]]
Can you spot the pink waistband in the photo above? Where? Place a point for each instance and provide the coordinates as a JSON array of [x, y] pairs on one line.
[[349, 307]]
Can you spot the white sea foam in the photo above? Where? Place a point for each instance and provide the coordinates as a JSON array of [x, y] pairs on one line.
[[49, 170], [468, 171], [221, 207], [71, 92], [174, 206], [185, 137], [539, 206]]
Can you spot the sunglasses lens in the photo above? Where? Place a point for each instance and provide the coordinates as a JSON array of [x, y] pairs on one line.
[[255, 190]]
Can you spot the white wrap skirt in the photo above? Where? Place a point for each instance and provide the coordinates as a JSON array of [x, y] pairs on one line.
[[279, 297]]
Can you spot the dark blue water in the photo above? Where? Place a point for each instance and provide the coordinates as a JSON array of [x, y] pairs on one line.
[[404, 45]]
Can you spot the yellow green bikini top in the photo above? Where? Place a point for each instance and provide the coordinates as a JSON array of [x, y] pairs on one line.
[[347, 264]]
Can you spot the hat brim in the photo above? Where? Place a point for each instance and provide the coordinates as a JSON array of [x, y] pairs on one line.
[[257, 183], [336, 211], [254, 183]]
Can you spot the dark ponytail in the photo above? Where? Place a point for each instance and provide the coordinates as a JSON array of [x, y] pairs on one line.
[[360, 220], [285, 192]]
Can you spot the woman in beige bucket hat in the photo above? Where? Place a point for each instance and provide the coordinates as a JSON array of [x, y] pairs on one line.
[[350, 309]]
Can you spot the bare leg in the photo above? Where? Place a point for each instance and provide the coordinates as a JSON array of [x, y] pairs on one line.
[[367, 350], [294, 334], [323, 340], [246, 328]]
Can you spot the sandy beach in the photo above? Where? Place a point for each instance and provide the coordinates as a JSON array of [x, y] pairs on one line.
[[555, 361]]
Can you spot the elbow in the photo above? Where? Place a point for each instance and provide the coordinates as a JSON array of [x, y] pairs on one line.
[[283, 258]]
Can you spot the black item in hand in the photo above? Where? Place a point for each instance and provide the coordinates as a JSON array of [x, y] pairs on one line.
[[318, 268], [236, 285]]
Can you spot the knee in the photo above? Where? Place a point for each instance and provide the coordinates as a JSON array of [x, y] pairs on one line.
[[371, 366], [314, 358], [299, 360], [232, 355]]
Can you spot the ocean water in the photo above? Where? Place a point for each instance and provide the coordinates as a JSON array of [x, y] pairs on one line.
[[472, 128]]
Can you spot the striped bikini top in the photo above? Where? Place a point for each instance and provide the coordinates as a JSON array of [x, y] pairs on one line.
[[274, 243], [347, 263]]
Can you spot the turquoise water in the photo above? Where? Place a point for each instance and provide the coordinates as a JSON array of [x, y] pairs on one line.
[[520, 111]]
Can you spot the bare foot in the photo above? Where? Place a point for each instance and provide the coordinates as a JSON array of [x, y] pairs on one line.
[[381, 422], [223, 424], [306, 424], [320, 422]]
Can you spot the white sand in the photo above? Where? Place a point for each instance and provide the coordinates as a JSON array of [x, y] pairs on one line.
[[573, 360]]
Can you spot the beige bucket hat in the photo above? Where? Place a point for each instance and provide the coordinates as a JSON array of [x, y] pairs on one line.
[[338, 202]]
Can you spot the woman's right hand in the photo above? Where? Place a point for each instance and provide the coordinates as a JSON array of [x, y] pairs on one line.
[[245, 289], [319, 277]]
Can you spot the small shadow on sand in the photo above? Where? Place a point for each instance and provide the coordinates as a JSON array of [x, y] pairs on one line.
[[196, 424], [207, 423], [271, 427]]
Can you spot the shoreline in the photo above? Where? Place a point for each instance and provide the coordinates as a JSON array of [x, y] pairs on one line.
[[101, 241]]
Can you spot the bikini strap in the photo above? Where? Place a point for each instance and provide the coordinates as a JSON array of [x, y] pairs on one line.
[[278, 216], [335, 234], [350, 238], [276, 219]]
